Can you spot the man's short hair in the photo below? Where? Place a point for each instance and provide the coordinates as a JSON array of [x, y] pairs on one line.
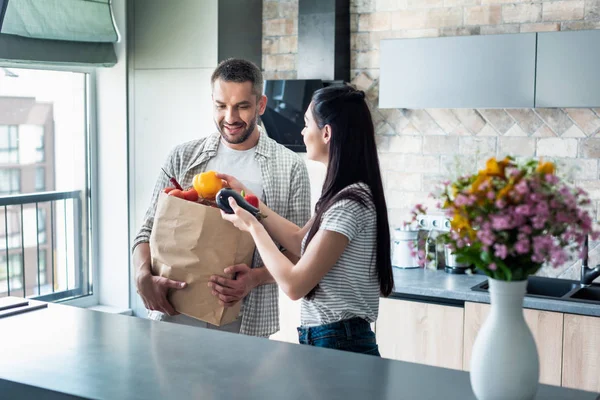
[[240, 71]]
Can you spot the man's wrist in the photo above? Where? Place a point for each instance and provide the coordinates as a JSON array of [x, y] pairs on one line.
[[143, 272]]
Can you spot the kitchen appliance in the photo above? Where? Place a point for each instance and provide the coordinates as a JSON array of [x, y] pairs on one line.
[[402, 248], [453, 266]]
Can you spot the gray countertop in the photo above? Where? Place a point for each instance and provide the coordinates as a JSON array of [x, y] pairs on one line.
[[62, 352], [443, 287]]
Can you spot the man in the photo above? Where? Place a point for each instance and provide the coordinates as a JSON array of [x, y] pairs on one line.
[[271, 171]]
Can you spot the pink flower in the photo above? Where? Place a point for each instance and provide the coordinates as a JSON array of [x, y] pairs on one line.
[[492, 267], [522, 246], [461, 200], [525, 229], [486, 236], [521, 187], [500, 251], [500, 204], [501, 222]]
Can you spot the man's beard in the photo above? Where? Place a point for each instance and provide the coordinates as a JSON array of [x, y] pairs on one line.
[[241, 138]]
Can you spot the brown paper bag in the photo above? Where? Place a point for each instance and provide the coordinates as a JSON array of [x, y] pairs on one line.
[[189, 243]]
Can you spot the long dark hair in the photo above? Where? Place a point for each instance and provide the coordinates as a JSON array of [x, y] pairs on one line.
[[352, 159]]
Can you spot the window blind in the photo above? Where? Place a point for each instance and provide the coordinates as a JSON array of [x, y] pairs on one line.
[[72, 32]]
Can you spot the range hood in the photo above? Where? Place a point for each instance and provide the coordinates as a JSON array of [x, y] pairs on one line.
[[324, 40]]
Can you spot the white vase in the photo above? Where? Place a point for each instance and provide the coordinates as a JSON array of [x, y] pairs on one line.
[[504, 362]]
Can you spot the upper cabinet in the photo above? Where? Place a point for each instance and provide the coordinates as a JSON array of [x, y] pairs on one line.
[[554, 69], [495, 71], [568, 64]]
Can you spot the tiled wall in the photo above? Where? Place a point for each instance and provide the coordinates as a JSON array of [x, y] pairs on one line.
[[419, 147]]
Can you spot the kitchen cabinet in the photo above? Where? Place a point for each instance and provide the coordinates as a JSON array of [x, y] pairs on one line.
[[567, 69], [547, 330], [487, 71], [524, 70], [581, 353], [420, 332]]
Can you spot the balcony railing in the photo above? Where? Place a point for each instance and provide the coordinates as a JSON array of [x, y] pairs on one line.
[[43, 246]]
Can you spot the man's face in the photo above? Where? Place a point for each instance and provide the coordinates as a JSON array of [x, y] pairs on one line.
[[236, 110]]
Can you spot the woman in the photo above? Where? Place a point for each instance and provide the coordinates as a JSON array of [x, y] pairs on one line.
[[344, 250]]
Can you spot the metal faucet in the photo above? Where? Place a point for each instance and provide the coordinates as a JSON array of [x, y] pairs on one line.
[[587, 274]]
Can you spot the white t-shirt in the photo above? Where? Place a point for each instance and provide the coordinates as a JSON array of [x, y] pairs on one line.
[[238, 163]]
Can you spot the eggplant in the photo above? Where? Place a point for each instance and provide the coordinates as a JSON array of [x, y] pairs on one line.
[[222, 200]]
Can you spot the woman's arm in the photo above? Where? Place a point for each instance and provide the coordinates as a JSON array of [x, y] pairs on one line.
[[284, 232], [295, 280]]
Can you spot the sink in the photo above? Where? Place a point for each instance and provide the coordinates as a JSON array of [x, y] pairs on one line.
[[550, 287], [588, 293], [555, 288], [541, 287]]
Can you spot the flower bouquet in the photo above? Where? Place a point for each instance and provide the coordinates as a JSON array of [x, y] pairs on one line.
[[508, 220]]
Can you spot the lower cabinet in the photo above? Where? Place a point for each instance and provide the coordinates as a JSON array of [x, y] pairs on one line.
[[581, 353], [420, 332], [443, 336], [547, 330]]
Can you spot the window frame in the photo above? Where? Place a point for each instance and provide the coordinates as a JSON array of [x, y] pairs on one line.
[[91, 189]]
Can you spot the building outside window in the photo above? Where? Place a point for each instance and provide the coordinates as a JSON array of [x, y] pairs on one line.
[[44, 147]]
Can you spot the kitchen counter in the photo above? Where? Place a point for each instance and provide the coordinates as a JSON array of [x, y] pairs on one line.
[[62, 352], [441, 287]]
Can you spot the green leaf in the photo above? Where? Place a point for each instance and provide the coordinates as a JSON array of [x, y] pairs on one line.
[[505, 270], [485, 257]]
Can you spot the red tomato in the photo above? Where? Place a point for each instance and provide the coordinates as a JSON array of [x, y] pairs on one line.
[[176, 193], [191, 195]]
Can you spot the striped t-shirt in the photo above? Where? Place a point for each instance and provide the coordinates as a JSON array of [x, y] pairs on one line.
[[350, 289]]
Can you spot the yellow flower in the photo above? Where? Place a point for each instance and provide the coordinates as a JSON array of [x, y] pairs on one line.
[[492, 167], [545, 168], [505, 190], [495, 168], [481, 178], [459, 221]]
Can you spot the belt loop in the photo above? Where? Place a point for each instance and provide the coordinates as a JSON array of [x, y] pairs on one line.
[[348, 329], [308, 335]]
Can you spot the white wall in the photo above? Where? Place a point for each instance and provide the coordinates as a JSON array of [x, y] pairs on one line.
[[113, 240], [173, 54]]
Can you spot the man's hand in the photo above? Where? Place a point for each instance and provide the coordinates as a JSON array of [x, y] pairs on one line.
[[153, 291], [230, 291]]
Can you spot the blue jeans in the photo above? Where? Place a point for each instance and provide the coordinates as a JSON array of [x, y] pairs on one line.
[[353, 335]]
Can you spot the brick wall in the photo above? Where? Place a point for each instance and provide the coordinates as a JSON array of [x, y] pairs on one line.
[[418, 147]]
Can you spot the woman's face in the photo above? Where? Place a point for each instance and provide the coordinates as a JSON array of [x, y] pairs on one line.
[[315, 138]]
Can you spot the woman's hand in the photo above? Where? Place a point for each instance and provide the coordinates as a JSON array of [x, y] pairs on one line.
[[233, 183], [241, 218]]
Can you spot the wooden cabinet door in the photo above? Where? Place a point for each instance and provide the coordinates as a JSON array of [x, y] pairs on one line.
[[547, 330], [581, 353], [420, 332]]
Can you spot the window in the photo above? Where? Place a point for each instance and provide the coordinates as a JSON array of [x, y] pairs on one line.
[[40, 179], [15, 270], [31, 149], [10, 181], [9, 144], [45, 165]]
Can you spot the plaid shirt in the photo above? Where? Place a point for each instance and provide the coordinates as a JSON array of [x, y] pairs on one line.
[[286, 191]]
